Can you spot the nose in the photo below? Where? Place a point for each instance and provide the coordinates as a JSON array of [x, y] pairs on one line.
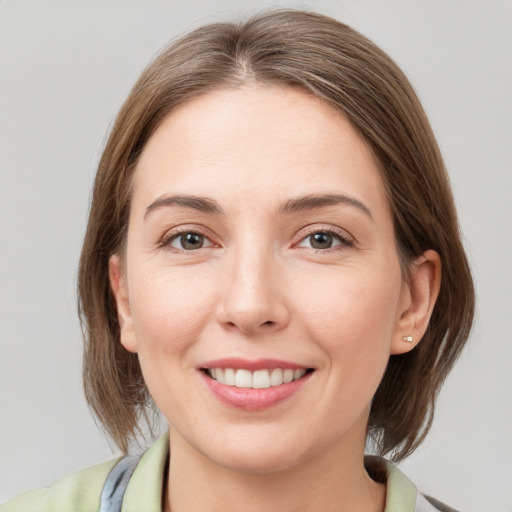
[[254, 298]]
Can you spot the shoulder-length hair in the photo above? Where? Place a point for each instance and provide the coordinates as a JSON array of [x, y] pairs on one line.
[[337, 64]]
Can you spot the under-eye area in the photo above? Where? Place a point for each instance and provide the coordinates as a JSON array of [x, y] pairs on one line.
[[259, 379]]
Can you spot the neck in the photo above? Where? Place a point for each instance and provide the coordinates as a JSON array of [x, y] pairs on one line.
[[332, 481]]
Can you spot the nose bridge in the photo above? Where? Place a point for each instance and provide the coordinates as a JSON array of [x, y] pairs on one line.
[[253, 299]]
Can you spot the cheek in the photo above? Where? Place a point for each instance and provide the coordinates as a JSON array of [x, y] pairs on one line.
[[349, 302], [169, 309], [352, 322], [352, 317]]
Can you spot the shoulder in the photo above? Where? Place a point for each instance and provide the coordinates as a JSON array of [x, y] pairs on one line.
[[136, 481], [79, 492]]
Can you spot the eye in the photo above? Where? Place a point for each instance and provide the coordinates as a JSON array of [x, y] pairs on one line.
[[324, 239], [188, 241]]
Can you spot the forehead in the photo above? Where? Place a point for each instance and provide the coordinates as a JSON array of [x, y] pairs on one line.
[[257, 139]]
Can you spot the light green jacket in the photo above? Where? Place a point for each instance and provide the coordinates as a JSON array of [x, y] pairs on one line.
[[81, 491]]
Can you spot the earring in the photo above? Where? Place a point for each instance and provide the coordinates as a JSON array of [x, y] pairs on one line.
[[408, 339]]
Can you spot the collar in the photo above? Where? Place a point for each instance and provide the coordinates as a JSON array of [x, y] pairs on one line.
[[144, 490], [401, 493]]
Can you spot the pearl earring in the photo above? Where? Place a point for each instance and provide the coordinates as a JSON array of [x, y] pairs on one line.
[[408, 339]]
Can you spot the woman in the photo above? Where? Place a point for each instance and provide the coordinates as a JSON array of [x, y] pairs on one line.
[[273, 259]]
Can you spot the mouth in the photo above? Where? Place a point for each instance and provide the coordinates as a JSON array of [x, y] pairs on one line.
[[254, 385], [258, 379]]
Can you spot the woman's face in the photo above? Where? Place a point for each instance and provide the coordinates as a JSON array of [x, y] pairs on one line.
[[260, 249]]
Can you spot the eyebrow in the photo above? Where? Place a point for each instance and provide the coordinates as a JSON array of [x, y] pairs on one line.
[[203, 204], [318, 200], [309, 202]]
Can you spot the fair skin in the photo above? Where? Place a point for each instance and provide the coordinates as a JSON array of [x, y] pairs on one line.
[[260, 235]]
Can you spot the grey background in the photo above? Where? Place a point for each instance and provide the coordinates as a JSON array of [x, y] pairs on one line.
[[65, 68]]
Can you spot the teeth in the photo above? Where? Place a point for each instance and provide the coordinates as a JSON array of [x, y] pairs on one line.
[[243, 379], [276, 377], [287, 376], [229, 376], [259, 379], [297, 374]]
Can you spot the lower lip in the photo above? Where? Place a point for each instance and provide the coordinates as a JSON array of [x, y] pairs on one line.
[[250, 399]]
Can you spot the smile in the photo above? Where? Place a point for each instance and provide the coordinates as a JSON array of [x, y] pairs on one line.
[[254, 385], [259, 379]]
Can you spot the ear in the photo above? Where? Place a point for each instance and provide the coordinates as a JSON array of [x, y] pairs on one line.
[[419, 295], [119, 287]]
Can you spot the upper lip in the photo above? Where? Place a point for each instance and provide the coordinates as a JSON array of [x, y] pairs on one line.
[[252, 365]]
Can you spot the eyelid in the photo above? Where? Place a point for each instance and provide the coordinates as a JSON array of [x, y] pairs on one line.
[[346, 238], [173, 233]]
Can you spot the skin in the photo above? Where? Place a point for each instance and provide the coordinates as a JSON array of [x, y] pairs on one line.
[[257, 288]]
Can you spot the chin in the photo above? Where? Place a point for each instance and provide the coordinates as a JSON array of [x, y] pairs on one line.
[[254, 461], [258, 452]]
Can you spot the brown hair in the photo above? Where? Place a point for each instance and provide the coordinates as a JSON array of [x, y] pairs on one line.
[[346, 70]]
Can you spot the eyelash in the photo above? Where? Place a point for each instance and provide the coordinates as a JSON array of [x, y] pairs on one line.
[[168, 238], [339, 235]]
